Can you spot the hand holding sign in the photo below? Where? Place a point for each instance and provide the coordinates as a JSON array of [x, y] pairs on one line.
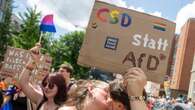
[[118, 38], [135, 80], [17, 59], [35, 53]]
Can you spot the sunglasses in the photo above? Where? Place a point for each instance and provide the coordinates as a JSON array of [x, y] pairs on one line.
[[50, 85]]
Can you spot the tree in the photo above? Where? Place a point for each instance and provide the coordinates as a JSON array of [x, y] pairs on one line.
[[66, 48], [29, 34], [5, 28]]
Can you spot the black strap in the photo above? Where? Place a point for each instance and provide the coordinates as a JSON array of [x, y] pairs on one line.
[[40, 104]]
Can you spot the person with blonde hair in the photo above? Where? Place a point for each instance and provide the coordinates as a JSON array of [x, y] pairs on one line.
[[95, 95], [84, 94]]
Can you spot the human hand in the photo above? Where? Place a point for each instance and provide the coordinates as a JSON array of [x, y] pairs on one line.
[[134, 81], [35, 53]]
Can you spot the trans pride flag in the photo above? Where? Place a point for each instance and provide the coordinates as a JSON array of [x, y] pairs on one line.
[[47, 24]]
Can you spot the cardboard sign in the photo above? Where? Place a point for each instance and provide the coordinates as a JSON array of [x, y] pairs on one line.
[[44, 67], [16, 59], [118, 38]]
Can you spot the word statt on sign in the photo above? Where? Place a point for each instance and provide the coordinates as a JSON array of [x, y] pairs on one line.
[[118, 38]]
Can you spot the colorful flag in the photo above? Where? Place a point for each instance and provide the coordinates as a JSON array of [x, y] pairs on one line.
[[47, 24], [159, 26]]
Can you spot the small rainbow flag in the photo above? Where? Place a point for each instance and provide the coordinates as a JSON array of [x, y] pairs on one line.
[[159, 26], [47, 24]]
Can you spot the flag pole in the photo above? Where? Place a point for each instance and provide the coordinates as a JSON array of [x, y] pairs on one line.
[[40, 38]]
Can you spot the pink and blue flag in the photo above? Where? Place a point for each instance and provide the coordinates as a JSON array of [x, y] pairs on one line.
[[47, 24]]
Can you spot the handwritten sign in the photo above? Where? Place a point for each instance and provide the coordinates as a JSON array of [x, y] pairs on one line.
[[118, 38], [44, 67], [16, 59]]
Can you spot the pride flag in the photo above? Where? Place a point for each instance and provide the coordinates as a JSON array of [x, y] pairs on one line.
[[47, 24], [159, 26]]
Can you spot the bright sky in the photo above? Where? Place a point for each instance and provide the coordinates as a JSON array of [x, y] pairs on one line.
[[70, 15]]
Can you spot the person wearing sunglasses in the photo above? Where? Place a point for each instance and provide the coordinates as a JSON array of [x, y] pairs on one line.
[[53, 86]]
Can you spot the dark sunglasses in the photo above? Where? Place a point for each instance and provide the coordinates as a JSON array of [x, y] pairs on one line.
[[50, 85]]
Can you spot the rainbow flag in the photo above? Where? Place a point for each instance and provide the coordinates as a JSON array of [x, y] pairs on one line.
[[47, 24], [159, 26]]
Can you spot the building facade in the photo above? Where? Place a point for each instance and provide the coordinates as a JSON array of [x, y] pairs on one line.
[[184, 57], [191, 91]]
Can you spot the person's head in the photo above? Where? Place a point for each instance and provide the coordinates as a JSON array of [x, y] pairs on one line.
[[119, 96], [89, 94], [54, 86], [66, 70]]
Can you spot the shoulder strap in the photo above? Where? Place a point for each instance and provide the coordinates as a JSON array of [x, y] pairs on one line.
[[40, 104]]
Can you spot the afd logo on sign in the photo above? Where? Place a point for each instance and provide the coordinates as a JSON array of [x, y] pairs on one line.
[[113, 17]]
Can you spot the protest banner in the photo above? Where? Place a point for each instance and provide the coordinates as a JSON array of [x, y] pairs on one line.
[[15, 60], [118, 38], [43, 68]]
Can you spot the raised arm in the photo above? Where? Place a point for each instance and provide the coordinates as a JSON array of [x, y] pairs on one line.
[[28, 89], [135, 80]]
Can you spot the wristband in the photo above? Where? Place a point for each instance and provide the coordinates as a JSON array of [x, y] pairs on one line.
[[137, 98], [30, 66]]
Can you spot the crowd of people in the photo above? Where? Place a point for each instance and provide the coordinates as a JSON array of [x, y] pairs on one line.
[[57, 92], [163, 103]]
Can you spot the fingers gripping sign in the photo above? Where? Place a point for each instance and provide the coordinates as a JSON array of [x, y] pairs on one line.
[[35, 57], [134, 81], [35, 52]]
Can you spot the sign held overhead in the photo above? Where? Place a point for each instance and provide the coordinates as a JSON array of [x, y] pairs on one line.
[[118, 38]]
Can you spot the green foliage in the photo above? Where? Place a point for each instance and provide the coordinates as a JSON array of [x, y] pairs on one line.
[[66, 48], [46, 42], [29, 34], [5, 28]]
